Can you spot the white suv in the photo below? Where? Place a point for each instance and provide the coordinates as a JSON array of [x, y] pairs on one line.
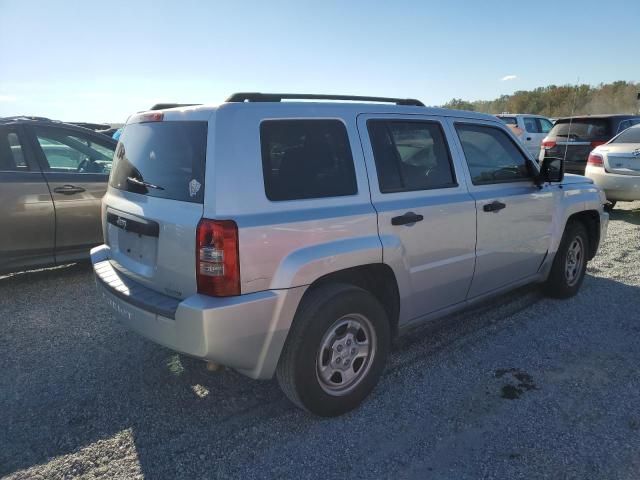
[[530, 129], [299, 238]]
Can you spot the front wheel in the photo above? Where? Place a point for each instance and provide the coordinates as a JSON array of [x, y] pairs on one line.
[[336, 350], [570, 263]]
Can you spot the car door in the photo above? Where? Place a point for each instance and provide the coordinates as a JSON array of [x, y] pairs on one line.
[[426, 217], [76, 165], [27, 218], [514, 216]]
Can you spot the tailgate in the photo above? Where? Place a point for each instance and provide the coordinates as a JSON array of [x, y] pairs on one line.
[[153, 242]]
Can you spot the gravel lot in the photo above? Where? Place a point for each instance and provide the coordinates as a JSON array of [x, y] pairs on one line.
[[526, 387]]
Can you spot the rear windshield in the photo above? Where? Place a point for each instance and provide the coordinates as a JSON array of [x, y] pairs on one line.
[[162, 159], [630, 135], [509, 120], [582, 129]]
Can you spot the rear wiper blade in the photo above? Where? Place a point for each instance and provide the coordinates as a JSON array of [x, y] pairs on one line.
[[142, 183]]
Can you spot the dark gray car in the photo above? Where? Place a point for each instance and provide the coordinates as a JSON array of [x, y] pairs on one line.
[[52, 179]]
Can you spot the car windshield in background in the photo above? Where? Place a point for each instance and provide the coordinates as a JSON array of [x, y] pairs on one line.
[[162, 159], [631, 135], [582, 129]]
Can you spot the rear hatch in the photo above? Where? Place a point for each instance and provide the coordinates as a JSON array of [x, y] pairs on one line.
[[155, 200], [574, 139]]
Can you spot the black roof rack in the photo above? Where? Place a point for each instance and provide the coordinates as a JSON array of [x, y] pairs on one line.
[[278, 97], [25, 117]]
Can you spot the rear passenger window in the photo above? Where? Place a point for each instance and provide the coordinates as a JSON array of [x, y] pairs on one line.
[[410, 155], [531, 125], [306, 159], [491, 155], [11, 154]]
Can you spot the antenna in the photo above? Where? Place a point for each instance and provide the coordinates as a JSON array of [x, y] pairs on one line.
[[573, 109]]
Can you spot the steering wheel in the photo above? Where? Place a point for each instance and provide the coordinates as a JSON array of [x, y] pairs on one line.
[[82, 165]]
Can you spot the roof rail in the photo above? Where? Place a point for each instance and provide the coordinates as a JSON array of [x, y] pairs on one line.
[[278, 97], [26, 117]]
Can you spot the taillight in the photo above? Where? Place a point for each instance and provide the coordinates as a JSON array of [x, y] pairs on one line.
[[595, 159], [217, 258], [546, 144], [597, 143], [147, 117]]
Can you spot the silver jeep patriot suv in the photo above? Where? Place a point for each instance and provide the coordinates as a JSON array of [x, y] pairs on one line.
[[297, 238]]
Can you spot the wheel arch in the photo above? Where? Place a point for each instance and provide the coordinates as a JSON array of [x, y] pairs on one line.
[[591, 221]]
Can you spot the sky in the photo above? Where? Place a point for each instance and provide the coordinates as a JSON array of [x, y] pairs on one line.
[[103, 60]]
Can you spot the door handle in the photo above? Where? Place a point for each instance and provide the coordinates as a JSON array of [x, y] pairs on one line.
[[407, 219], [529, 139], [493, 206], [68, 189]]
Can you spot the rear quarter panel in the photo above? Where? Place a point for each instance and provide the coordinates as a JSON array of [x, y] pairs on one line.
[[285, 244]]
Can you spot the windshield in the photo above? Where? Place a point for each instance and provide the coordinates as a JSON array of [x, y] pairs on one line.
[[162, 159], [582, 129], [630, 135]]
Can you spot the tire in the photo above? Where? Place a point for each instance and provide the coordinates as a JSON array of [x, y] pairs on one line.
[[341, 316], [560, 283], [610, 205]]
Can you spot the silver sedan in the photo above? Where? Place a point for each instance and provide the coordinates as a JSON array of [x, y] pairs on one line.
[[615, 166]]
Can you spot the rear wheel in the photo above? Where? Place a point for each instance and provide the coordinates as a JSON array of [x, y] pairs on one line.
[[336, 350], [570, 263]]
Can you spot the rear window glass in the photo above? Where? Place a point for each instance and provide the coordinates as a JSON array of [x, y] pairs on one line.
[[410, 155], [582, 129], [631, 135], [162, 159], [306, 159], [509, 120]]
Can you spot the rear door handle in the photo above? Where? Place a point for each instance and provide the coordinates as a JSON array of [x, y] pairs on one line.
[[407, 219], [68, 189], [493, 206]]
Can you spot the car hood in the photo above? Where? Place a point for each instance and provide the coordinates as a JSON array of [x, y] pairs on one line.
[[571, 179]]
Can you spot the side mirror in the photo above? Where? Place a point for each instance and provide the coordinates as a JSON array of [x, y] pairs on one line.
[[551, 170]]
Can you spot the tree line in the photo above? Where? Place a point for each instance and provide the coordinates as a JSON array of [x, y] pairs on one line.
[[558, 101]]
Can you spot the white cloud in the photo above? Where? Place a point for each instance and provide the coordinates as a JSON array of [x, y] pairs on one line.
[[506, 78], [7, 98]]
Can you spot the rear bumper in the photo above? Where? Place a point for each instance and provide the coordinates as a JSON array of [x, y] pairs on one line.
[[245, 332], [615, 186]]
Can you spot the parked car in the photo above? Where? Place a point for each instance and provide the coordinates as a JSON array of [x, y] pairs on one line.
[[530, 129], [573, 138], [298, 238], [615, 166], [52, 179]]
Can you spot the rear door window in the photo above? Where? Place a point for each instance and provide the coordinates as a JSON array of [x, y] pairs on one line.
[[162, 159], [306, 159], [531, 125], [410, 155]]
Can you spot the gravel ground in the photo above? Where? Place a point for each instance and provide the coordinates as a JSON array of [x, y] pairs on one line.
[[526, 387]]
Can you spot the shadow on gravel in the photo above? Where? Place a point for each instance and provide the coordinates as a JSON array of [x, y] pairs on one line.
[[69, 377], [629, 216]]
